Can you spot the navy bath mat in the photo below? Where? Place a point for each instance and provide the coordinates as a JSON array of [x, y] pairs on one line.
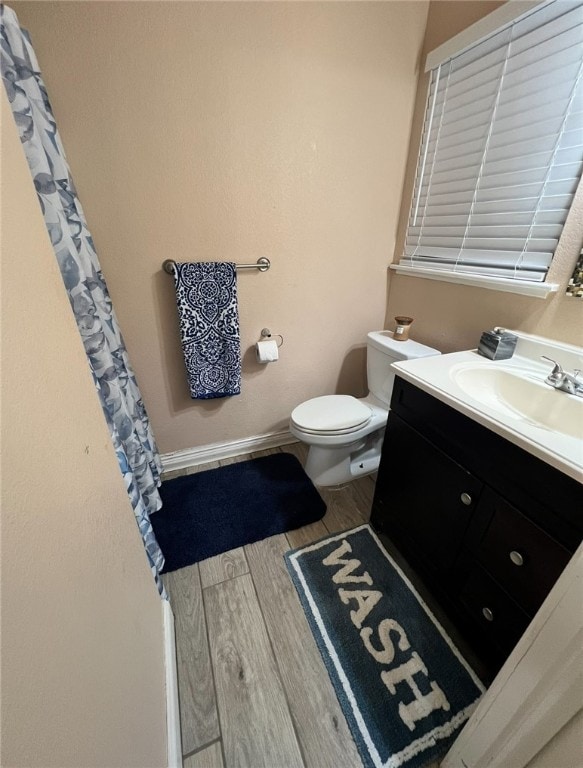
[[403, 686], [214, 511]]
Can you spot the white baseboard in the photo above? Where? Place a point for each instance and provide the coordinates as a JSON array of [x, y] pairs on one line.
[[217, 451], [172, 707]]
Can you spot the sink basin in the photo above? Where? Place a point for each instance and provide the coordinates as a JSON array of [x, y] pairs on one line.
[[510, 397], [522, 396]]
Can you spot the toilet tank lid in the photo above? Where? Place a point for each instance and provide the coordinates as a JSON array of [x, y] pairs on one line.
[[400, 350]]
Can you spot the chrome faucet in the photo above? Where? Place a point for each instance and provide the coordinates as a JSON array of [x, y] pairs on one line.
[[560, 379]]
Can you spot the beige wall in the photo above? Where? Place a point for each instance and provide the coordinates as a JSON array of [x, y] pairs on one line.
[[452, 317], [229, 131], [82, 653]]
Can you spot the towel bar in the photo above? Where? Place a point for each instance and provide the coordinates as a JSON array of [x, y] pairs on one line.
[[262, 265]]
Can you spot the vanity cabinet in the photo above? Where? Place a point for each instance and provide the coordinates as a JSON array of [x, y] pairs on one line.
[[487, 526]]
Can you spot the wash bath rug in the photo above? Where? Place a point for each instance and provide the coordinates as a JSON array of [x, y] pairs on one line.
[[214, 511], [403, 686]]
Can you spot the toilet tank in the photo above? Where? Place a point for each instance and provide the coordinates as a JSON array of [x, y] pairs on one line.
[[382, 350]]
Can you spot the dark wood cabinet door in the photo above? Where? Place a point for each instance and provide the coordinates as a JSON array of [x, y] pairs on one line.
[[423, 500]]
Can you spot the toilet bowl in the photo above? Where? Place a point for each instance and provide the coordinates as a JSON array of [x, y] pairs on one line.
[[337, 455], [345, 433]]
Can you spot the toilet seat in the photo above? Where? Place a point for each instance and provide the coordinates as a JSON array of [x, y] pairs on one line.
[[331, 415]]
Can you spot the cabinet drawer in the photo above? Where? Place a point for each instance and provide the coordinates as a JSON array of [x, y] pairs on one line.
[[500, 619], [522, 558]]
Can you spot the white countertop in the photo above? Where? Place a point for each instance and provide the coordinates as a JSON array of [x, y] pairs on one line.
[[439, 377]]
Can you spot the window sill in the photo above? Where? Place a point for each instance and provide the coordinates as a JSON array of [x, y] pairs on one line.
[[523, 287]]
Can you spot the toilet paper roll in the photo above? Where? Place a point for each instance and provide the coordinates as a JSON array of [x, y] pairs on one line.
[[267, 351]]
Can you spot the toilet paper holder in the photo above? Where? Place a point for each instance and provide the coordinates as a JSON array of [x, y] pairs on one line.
[[266, 334]]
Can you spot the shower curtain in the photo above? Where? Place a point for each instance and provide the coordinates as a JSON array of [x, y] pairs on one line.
[[114, 379]]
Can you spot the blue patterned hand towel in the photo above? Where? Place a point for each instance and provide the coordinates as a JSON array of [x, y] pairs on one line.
[[206, 294]]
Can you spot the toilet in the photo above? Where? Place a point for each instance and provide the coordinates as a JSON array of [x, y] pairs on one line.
[[345, 434]]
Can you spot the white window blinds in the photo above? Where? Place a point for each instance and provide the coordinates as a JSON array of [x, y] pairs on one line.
[[502, 150]]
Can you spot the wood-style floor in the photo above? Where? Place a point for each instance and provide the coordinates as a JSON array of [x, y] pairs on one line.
[[253, 688]]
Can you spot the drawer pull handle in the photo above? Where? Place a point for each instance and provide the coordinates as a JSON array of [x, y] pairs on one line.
[[488, 614], [516, 557], [466, 499]]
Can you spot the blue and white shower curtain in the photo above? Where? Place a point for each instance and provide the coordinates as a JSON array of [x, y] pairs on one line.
[[115, 382]]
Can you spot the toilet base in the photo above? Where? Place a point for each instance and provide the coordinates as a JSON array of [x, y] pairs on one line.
[[340, 464]]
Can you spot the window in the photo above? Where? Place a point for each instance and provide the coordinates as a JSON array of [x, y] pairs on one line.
[[502, 152]]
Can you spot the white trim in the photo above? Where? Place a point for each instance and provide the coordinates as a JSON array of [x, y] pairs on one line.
[[523, 287], [172, 707], [479, 31], [537, 691], [216, 451]]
